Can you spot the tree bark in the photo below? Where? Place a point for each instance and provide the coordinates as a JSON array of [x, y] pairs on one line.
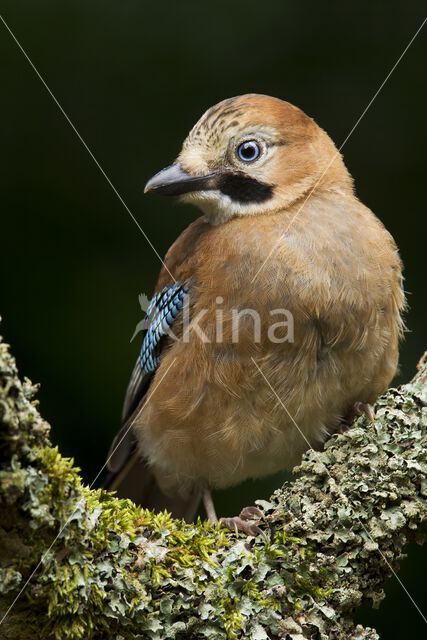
[[104, 568]]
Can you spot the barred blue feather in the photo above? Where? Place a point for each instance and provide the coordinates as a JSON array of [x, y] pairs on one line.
[[161, 313]]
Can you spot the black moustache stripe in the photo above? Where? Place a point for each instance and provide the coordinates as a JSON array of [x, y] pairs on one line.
[[243, 189], [237, 186]]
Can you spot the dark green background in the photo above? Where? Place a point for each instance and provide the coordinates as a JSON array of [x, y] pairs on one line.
[[134, 76]]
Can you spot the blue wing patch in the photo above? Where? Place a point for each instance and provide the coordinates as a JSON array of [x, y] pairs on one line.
[[161, 313]]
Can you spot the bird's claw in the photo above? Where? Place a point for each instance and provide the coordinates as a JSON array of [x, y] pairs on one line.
[[251, 513], [357, 410], [246, 521], [343, 427], [364, 409]]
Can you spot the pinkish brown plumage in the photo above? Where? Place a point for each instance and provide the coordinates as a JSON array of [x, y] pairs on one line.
[[282, 230]]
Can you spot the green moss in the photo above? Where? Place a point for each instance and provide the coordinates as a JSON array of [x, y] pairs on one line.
[[116, 570]]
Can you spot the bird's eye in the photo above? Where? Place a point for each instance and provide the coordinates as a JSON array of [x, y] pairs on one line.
[[248, 151]]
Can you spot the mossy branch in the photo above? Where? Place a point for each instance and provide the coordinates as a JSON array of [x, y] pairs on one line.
[[118, 571]]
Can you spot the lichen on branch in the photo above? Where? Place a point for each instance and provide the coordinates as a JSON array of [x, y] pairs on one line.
[[105, 568]]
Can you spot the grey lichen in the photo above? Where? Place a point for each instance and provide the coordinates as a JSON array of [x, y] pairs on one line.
[[118, 571]]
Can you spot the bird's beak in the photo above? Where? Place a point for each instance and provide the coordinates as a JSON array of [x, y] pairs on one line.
[[174, 181]]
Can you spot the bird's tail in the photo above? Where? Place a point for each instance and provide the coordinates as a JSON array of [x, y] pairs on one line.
[[135, 480]]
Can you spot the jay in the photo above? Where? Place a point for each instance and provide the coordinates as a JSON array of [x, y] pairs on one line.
[[281, 229]]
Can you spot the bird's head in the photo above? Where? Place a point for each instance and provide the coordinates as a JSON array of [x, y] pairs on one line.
[[249, 155]]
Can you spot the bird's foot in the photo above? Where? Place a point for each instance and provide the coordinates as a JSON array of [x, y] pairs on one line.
[[357, 410], [343, 427], [364, 409], [246, 522]]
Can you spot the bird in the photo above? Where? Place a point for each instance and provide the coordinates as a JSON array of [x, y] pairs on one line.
[[281, 228]]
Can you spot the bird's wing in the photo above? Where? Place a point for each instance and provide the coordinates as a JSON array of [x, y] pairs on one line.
[[161, 313], [129, 474]]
